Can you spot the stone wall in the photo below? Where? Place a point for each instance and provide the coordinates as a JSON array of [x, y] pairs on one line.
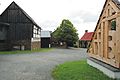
[[35, 45], [20, 45]]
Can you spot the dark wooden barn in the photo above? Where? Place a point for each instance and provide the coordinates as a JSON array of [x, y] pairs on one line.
[[18, 30], [45, 39]]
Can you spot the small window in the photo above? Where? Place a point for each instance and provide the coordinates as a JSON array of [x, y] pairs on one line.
[[113, 25], [37, 31]]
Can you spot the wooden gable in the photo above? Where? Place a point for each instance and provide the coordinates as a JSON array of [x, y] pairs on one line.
[[13, 13], [105, 42]]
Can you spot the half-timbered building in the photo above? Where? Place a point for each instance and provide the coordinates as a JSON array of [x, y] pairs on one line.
[[104, 52], [18, 30], [105, 44]]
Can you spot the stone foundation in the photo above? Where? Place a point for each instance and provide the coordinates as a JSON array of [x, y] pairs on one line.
[[21, 45], [35, 45], [109, 70]]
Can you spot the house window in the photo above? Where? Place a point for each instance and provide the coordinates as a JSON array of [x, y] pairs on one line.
[[36, 32], [113, 25]]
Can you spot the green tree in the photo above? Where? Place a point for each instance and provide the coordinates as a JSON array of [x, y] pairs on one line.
[[66, 32]]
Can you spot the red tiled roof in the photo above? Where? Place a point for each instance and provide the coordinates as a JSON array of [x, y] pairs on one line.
[[87, 36]]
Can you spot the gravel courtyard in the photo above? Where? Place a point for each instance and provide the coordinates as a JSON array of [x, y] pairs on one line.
[[36, 66]]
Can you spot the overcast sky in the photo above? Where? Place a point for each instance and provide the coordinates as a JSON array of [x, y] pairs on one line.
[[48, 14]]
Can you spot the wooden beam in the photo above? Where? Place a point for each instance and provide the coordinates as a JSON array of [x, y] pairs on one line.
[[114, 7], [110, 17]]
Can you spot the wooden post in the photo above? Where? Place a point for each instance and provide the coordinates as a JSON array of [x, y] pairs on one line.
[[102, 34], [106, 40], [117, 55]]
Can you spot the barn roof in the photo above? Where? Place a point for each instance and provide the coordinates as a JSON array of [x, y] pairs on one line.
[[13, 3], [45, 34], [87, 36]]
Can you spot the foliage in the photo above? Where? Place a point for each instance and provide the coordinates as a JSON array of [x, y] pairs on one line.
[[66, 32], [26, 51], [78, 70]]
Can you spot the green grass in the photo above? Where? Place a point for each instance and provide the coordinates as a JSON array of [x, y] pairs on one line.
[[26, 51], [78, 70]]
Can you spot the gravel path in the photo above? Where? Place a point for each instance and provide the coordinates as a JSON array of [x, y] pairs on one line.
[[36, 66]]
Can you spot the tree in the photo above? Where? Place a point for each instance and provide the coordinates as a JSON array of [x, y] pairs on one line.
[[66, 32]]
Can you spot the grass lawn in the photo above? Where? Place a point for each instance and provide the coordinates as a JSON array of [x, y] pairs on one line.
[[78, 70], [26, 51]]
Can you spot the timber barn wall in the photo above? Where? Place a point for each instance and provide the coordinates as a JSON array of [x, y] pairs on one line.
[[20, 26]]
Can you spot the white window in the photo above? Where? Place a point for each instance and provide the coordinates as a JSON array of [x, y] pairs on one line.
[[36, 32]]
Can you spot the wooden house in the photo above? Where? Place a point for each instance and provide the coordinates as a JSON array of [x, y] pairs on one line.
[[18, 30], [105, 42], [85, 39], [45, 39]]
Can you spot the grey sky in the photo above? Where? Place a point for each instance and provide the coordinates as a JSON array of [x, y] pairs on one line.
[[49, 13]]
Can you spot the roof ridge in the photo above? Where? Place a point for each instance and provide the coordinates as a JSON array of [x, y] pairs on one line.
[[26, 14], [89, 32]]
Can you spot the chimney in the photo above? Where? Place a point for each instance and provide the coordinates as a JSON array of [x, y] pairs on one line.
[[86, 31]]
